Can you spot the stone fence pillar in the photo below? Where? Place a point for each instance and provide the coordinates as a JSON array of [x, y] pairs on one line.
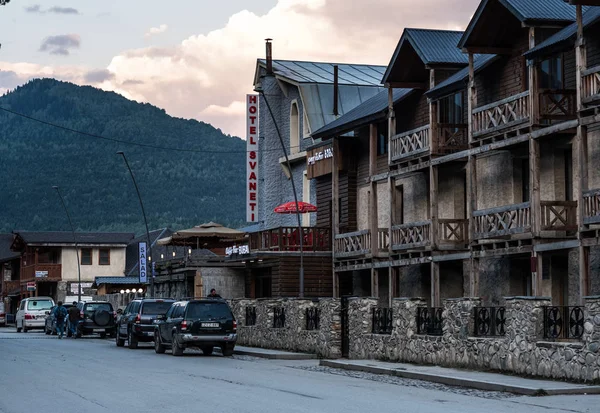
[[590, 355], [360, 313], [329, 344]]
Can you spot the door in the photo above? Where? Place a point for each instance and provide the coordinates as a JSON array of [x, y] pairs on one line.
[[345, 327], [123, 321], [163, 327], [20, 313]]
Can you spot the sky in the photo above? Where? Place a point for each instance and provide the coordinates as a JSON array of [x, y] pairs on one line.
[[195, 58]]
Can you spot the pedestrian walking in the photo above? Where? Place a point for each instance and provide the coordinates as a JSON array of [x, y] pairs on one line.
[[73, 319], [213, 294], [60, 315]]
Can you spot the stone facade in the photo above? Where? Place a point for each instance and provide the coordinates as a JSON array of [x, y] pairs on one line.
[[293, 336]]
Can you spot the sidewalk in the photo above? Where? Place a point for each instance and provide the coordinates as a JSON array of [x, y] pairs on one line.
[[465, 378], [272, 354]]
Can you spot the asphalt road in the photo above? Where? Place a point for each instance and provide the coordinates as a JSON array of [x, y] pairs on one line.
[[41, 373]]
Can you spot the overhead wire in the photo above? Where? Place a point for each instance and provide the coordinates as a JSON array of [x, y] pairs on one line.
[[144, 145]]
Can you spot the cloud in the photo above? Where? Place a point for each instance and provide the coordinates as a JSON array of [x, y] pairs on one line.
[[156, 30], [36, 8], [98, 76], [207, 75], [61, 44], [63, 10]]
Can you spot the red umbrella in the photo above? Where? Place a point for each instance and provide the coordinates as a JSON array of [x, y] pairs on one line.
[[290, 208]]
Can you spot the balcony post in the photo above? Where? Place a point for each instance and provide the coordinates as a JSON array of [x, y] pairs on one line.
[[471, 195], [580, 58], [433, 121], [584, 273], [534, 97], [374, 282], [435, 284], [391, 122], [474, 278], [471, 97], [335, 209], [392, 284], [373, 220], [433, 203], [534, 181]]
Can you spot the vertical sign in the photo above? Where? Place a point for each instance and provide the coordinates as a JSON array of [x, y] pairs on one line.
[[143, 274], [251, 158]]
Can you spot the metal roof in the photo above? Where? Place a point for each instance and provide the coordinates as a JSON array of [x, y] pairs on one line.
[[116, 280], [372, 109], [457, 81], [566, 37], [527, 11], [6, 254], [320, 72], [432, 47], [83, 238]]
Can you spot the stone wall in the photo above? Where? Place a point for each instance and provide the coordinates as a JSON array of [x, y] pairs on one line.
[[325, 342], [521, 351]]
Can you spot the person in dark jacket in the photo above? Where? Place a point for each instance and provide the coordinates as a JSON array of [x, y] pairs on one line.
[[73, 319], [213, 294], [60, 316]]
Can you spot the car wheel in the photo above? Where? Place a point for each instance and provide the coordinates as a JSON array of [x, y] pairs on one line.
[[177, 349], [227, 350], [132, 340], [120, 342], [158, 347]]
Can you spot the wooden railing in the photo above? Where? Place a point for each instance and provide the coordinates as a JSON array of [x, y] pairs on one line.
[[591, 206], [502, 221], [453, 231], [415, 234], [287, 239], [559, 215], [558, 104], [502, 114], [383, 240], [451, 138], [46, 272], [410, 143], [590, 81], [353, 243]]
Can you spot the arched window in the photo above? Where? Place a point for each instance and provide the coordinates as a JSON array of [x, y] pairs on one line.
[[294, 129]]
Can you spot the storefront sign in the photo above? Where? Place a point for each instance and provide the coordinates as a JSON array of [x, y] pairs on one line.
[[75, 287], [252, 158], [143, 274], [41, 274], [31, 286], [321, 155], [319, 161], [242, 249]]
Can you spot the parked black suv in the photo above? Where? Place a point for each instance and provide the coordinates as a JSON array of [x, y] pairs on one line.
[[136, 324], [96, 317], [203, 323]]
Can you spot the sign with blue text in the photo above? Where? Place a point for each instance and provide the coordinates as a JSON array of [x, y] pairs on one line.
[[143, 256]]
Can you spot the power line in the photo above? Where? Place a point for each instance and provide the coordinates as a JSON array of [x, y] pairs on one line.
[[144, 145]]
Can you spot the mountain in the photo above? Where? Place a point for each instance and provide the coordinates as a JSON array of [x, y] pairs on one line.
[[179, 188]]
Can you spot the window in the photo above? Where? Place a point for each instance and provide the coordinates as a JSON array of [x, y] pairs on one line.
[[170, 312], [39, 305], [208, 311], [86, 256], [294, 129], [305, 126], [104, 256], [127, 309], [135, 307], [178, 313], [450, 109], [382, 138], [157, 307], [551, 73]]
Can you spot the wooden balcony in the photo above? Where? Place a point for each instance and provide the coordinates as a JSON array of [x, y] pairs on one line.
[[41, 272], [502, 221], [410, 144], [451, 138], [559, 215], [591, 207], [501, 115], [412, 235], [590, 82], [353, 244], [558, 104], [453, 233], [287, 239]]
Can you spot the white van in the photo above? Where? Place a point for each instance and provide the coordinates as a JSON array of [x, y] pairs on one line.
[[32, 313]]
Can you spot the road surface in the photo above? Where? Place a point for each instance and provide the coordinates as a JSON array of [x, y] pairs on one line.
[[41, 373]]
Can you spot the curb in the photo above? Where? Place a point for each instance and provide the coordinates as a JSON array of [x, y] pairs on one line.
[[274, 356], [464, 382]]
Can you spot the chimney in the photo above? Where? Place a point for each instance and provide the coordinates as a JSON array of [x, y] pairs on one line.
[[335, 90], [269, 57]]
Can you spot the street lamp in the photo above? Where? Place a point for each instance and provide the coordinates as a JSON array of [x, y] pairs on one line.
[[74, 240], [149, 247], [260, 90]]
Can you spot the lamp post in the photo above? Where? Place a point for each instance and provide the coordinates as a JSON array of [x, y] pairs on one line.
[[74, 240], [260, 90], [149, 247]]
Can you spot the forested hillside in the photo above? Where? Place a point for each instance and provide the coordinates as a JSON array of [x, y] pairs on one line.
[[179, 188]]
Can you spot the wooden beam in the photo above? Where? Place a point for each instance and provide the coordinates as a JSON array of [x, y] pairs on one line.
[[534, 181], [335, 209], [407, 85], [488, 50], [391, 285], [580, 58], [471, 97], [374, 283], [433, 204], [534, 97], [471, 194], [474, 278], [373, 218], [435, 284], [584, 272], [537, 286]]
